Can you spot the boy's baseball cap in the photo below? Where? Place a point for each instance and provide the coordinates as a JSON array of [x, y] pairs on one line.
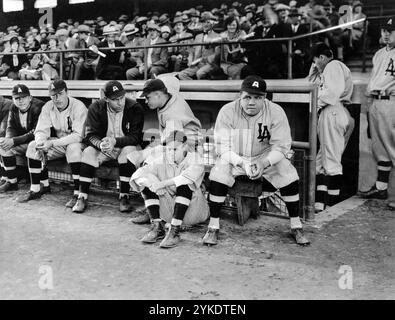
[[254, 85], [153, 85], [389, 24], [113, 89], [20, 91], [56, 86]]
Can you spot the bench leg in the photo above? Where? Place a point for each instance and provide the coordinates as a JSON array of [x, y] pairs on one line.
[[246, 207]]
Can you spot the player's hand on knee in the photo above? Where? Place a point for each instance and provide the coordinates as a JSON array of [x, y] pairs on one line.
[[258, 168]]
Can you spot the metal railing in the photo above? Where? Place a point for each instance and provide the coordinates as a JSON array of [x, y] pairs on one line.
[[288, 40]]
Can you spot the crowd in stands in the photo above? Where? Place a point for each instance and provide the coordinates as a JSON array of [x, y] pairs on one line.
[[232, 23]]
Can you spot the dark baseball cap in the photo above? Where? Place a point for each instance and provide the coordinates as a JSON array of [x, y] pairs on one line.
[[153, 85], [389, 24], [20, 91], [56, 86], [254, 85], [113, 89]]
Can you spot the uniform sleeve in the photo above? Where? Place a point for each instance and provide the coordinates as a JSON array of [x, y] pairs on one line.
[[333, 85], [43, 128], [223, 133], [92, 127], [78, 121], [135, 134]]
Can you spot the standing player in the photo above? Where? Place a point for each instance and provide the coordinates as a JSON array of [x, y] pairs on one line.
[[335, 123], [59, 132], [381, 89], [22, 121], [252, 138]]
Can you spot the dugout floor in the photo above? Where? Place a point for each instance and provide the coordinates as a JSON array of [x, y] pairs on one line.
[[98, 255]]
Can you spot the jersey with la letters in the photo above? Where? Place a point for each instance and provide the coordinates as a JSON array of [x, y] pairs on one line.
[[251, 136], [383, 73]]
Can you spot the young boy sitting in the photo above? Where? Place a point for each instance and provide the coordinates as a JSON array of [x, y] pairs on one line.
[[171, 190]]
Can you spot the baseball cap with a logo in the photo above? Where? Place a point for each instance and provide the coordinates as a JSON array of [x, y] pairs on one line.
[[389, 24], [254, 85], [113, 89], [56, 86], [20, 91]]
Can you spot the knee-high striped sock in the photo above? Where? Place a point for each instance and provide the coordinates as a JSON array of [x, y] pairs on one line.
[[86, 175], [125, 172], [334, 184], [216, 198], [75, 171], [183, 200], [35, 171], [321, 192], [10, 168], [290, 195], [151, 201], [2, 171], [383, 174], [44, 177]]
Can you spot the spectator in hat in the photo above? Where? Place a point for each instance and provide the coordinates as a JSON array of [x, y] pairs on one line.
[[141, 24], [157, 58], [300, 47], [233, 58], [195, 26], [34, 70], [87, 61], [51, 61], [133, 57], [31, 43], [203, 61], [247, 22], [12, 64], [165, 32], [179, 55], [22, 121], [65, 42], [164, 20], [111, 67]]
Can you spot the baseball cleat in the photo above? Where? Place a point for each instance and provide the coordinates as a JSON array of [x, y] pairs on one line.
[[30, 195], [172, 237], [71, 203], [211, 237], [142, 218], [391, 205], [374, 193], [299, 237], [80, 205], [125, 205], [157, 232], [8, 187]]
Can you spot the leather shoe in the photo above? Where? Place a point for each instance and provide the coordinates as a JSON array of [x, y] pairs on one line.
[[125, 205], [391, 205], [8, 187], [299, 237], [156, 232], [172, 237], [80, 205], [71, 203], [211, 237], [142, 218], [30, 195], [374, 193]]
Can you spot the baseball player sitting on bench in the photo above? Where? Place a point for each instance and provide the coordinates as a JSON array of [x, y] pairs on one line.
[[171, 190], [22, 121], [5, 107], [252, 137], [174, 114], [114, 128], [381, 115], [58, 133], [335, 123]]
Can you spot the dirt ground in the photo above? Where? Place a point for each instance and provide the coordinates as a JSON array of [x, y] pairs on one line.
[[98, 255]]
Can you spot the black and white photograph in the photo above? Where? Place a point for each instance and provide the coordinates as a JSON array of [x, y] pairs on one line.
[[198, 156]]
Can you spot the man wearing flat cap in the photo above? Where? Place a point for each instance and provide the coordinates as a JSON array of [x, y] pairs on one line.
[[87, 61], [113, 130], [111, 67], [58, 134], [157, 58], [203, 60], [22, 122], [253, 139]]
